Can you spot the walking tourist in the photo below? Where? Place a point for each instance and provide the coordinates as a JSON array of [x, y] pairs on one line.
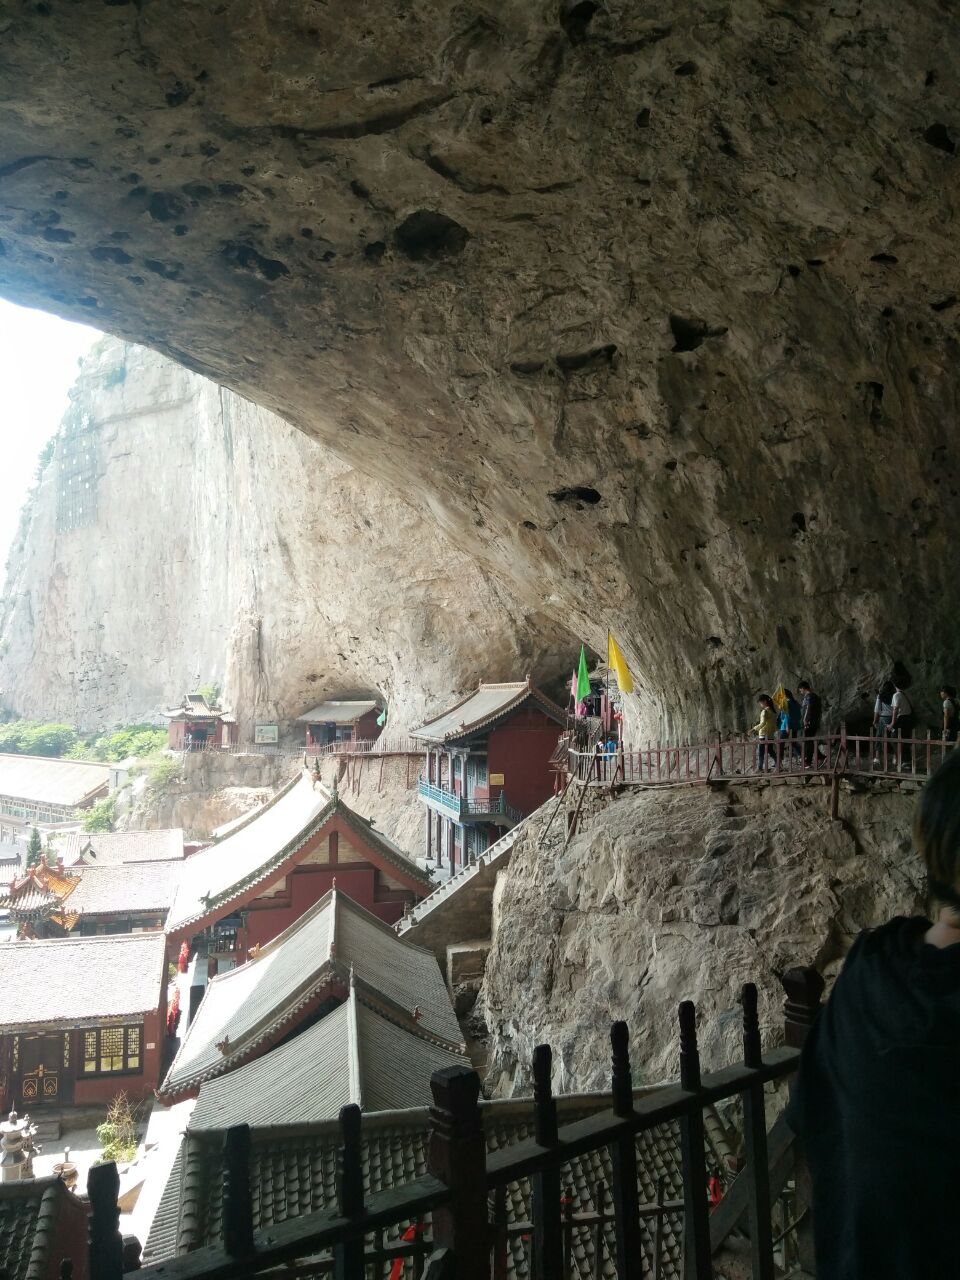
[[766, 730], [811, 713], [901, 722], [949, 695], [882, 713], [791, 720], [877, 1098]]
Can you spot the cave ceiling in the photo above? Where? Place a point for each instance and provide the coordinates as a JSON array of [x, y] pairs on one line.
[[652, 308]]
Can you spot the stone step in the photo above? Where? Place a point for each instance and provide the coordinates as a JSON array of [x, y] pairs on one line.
[[48, 1129]]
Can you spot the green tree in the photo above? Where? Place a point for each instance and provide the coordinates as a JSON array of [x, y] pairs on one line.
[[101, 815], [209, 691], [34, 849]]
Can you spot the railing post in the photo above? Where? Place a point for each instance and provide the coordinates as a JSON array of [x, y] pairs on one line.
[[458, 1157], [804, 988], [697, 1261], [623, 1159], [501, 1241], [237, 1204], [547, 1237], [757, 1170], [348, 1257], [106, 1243]]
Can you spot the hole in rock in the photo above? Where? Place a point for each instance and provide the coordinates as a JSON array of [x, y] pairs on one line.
[[929, 79], [715, 642], [572, 361], [888, 258], [576, 493], [375, 250], [799, 521], [688, 68], [814, 262], [887, 311], [937, 135], [945, 303], [643, 118], [249, 259], [528, 524], [793, 269], [359, 190], [576, 18], [690, 332], [164, 207], [428, 234], [526, 366]]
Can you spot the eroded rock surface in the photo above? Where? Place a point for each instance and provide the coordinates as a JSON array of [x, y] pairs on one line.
[[182, 534], [686, 894], [655, 312]]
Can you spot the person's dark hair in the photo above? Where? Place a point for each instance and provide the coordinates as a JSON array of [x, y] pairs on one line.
[[949, 690], [936, 831], [765, 699], [804, 684], [788, 694], [886, 690]]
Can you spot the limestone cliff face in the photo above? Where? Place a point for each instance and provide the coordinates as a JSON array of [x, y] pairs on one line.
[[182, 534], [655, 308], [684, 894]]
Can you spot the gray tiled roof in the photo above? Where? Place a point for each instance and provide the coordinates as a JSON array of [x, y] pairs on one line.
[[489, 703], [109, 848], [48, 781], [294, 1172], [354, 1054], [76, 980], [343, 712], [120, 889], [245, 1006], [35, 1219], [246, 853], [251, 852]]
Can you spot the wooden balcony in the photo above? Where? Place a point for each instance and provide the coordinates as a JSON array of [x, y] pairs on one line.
[[492, 809]]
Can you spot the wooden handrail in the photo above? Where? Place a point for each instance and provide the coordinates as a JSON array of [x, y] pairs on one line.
[[463, 1175]]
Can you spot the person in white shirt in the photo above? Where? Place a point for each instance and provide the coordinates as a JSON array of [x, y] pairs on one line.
[[949, 695], [901, 722]]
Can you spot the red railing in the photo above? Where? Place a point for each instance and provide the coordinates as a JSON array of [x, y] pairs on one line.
[[658, 764]]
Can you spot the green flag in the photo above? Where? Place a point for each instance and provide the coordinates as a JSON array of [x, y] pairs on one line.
[[382, 717], [583, 680]]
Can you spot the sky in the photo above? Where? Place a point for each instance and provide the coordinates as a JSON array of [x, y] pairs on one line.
[[38, 365]]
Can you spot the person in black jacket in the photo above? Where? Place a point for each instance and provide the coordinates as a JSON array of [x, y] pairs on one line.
[[876, 1102], [811, 713]]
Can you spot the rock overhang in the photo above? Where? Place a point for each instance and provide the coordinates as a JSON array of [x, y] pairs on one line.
[[620, 299]]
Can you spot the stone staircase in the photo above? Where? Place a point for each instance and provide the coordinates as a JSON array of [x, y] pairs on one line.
[[460, 907]]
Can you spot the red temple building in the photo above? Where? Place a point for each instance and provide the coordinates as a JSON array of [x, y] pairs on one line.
[[345, 721], [81, 1019], [244, 890], [487, 765], [197, 724]]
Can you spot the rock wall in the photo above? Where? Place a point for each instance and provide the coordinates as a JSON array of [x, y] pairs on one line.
[[211, 789], [182, 534], [685, 894], [385, 791], [654, 311]]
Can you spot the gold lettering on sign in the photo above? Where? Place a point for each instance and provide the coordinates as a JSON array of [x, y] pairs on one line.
[[16, 1052], [66, 1048], [496, 779]]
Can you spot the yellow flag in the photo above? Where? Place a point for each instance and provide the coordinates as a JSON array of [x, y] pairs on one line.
[[617, 665], [780, 698]]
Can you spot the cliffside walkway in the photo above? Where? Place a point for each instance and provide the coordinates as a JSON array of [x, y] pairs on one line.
[[828, 755], [460, 907]]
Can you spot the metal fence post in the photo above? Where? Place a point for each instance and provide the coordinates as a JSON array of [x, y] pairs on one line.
[[623, 1158], [697, 1260], [458, 1157], [348, 1261], [757, 1171], [547, 1238]]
